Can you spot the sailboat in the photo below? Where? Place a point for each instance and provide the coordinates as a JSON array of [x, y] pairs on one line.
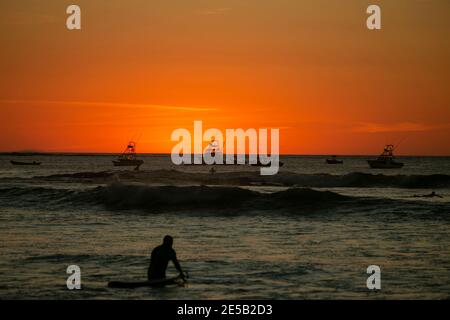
[[386, 160], [128, 157]]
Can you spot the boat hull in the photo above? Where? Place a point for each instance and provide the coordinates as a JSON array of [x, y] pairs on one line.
[[376, 164], [127, 163], [259, 164], [20, 163], [331, 161]]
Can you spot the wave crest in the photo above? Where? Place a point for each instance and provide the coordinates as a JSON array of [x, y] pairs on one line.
[[122, 196], [246, 178], [119, 196]]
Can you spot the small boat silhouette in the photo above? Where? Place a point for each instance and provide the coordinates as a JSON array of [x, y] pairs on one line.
[[128, 157], [333, 160], [23, 163]]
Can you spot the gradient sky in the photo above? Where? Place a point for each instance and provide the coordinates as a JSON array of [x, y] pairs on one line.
[[142, 68]]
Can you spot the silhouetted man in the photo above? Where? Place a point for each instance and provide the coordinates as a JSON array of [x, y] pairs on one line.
[[160, 258]]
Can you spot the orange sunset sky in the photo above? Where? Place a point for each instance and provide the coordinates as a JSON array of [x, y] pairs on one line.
[[142, 68]]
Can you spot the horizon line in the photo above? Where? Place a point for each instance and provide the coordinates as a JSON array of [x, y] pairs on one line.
[[68, 153]]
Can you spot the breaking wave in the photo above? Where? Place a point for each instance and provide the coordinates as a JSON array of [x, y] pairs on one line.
[[174, 198], [246, 178], [216, 200], [120, 196]]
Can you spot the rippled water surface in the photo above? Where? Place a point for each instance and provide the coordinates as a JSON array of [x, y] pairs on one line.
[[251, 239]]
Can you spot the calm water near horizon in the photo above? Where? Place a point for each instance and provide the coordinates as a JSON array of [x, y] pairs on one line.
[[307, 233]]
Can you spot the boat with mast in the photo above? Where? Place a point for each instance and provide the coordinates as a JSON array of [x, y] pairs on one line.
[[386, 160], [128, 157]]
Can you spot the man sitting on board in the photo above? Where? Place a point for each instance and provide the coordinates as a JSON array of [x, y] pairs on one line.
[[160, 258]]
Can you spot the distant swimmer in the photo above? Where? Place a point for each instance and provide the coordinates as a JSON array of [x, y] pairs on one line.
[[431, 195], [160, 258]]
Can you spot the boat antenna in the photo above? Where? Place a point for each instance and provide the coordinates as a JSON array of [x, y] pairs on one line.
[[131, 137], [139, 137], [401, 140]]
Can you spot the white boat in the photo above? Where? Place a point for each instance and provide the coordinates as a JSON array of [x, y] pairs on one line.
[[386, 160]]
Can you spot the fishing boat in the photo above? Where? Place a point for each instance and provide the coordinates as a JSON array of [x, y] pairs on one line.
[[213, 148], [210, 151], [386, 160], [333, 160], [128, 157], [22, 163]]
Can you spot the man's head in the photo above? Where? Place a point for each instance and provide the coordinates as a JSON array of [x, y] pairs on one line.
[[168, 241]]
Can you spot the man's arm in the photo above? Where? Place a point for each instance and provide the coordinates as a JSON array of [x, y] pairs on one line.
[[177, 264]]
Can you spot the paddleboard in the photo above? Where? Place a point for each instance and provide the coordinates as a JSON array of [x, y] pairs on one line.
[[153, 283]]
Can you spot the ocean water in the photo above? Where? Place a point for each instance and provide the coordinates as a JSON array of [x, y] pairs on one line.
[[309, 232]]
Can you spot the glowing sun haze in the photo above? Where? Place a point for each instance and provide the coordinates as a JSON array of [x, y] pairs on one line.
[[141, 68]]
